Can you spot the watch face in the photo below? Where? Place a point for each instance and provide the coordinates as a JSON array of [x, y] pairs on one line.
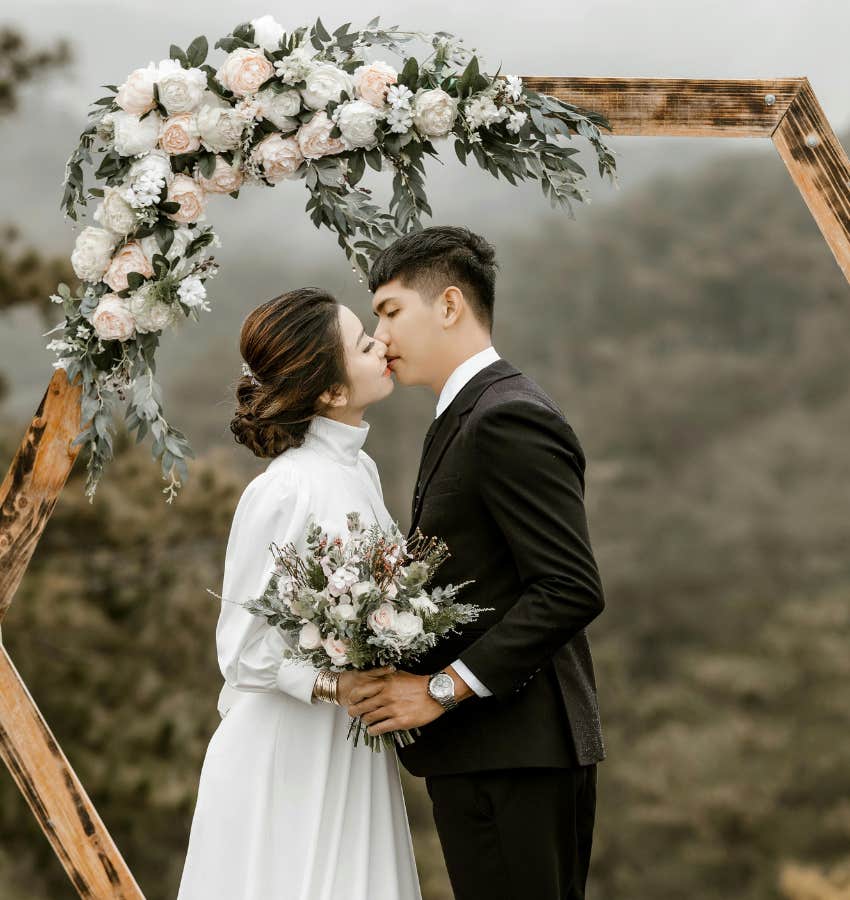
[[442, 685]]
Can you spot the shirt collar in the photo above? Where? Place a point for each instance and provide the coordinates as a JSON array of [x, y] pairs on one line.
[[467, 370]]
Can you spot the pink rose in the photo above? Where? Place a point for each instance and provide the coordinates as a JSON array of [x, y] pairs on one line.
[[279, 157], [191, 197], [136, 94], [337, 650], [179, 134], [371, 82], [224, 179], [244, 70], [130, 258], [112, 319], [314, 138], [382, 619]]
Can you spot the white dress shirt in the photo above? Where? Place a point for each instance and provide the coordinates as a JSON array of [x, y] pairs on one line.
[[457, 380]]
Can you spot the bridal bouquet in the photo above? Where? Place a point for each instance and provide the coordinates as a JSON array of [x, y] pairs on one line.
[[361, 603]]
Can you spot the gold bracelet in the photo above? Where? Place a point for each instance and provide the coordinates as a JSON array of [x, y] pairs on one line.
[[326, 686]]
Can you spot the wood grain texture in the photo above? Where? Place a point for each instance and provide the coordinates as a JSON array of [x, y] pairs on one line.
[[35, 479], [56, 797], [677, 107], [820, 169]]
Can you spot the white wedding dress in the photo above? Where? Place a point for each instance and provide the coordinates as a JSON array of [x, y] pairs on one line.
[[288, 808]]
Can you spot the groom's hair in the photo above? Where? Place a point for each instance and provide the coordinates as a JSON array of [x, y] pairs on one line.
[[430, 260]]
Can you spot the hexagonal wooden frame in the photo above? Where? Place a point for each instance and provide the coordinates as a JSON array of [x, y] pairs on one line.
[[784, 110]]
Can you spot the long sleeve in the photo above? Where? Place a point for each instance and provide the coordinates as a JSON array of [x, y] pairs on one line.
[[531, 479], [273, 508]]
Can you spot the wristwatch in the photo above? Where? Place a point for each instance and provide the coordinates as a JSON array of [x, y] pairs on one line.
[[441, 687]]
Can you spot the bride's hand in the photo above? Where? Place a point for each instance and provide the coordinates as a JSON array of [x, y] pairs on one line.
[[355, 686]]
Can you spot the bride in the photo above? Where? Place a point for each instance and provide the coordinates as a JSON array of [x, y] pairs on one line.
[[288, 808]]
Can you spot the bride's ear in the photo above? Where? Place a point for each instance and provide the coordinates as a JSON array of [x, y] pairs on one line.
[[335, 396]]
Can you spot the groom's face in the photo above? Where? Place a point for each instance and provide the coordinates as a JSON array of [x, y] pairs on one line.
[[409, 324]]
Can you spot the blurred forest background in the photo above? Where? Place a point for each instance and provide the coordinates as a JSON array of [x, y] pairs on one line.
[[694, 329]]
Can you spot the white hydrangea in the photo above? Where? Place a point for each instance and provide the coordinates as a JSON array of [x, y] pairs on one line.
[[482, 111], [399, 96], [400, 119], [516, 121], [514, 87], [144, 191], [295, 67]]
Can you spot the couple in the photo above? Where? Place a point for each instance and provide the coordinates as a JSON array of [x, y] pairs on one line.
[[288, 808]]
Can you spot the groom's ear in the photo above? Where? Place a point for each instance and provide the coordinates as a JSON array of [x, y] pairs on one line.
[[335, 396], [452, 302]]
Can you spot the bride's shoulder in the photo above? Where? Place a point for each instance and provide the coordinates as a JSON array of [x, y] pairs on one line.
[[280, 478], [371, 467]]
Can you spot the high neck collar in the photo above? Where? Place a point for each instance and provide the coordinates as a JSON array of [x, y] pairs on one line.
[[337, 440]]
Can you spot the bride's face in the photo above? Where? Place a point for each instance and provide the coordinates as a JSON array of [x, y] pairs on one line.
[[369, 378]]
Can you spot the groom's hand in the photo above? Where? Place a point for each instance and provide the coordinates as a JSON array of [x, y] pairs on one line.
[[403, 702]]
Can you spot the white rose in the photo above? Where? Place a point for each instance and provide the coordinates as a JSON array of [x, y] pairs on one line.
[[180, 90], [324, 83], [314, 138], [424, 604], [112, 319], [179, 134], [337, 650], [130, 258], [341, 580], [371, 82], [244, 70], [156, 165], [135, 95], [181, 239], [219, 126], [279, 157], [133, 135], [224, 180], [357, 121], [267, 32], [92, 253], [346, 612], [407, 626], [191, 197], [359, 589], [114, 212], [434, 112], [150, 314], [382, 619], [310, 638], [280, 108]]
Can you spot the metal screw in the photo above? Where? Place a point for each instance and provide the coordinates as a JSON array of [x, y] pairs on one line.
[[770, 99]]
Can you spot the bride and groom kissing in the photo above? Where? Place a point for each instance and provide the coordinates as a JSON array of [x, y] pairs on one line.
[[509, 729]]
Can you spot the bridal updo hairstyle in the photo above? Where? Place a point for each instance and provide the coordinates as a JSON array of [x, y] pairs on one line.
[[430, 260], [293, 345]]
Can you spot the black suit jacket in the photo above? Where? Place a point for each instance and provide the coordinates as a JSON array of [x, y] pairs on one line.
[[502, 482]]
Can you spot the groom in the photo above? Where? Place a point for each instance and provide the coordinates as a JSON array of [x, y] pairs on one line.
[[510, 730]]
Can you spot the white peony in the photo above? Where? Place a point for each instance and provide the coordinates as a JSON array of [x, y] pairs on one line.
[[93, 252], [220, 127], [310, 638], [114, 212], [295, 67], [267, 32], [314, 137], [279, 157], [434, 112], [151, 314], [112, 319], [371, 82], [132, 135], [357, 121], [135, 95], [280, 108], [180, 90], [193, 292], [325, 82], [337, 650], [244, 70]]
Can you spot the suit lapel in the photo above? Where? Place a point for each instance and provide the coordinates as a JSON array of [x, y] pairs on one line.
[[446, 426]]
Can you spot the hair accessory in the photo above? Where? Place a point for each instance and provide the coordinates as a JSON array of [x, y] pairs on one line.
[[246, 370]]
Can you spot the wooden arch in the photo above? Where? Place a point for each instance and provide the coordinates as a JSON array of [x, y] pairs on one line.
[[785, 110]]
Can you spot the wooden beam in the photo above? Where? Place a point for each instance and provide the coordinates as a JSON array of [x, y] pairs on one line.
[[820, 168], [56, 797], [35, 479], [678, 107]]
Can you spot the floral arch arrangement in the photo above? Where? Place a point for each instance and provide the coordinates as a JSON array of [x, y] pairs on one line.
[[280, 107]]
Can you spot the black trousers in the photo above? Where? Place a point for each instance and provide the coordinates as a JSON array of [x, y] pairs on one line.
[[516, 834]]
